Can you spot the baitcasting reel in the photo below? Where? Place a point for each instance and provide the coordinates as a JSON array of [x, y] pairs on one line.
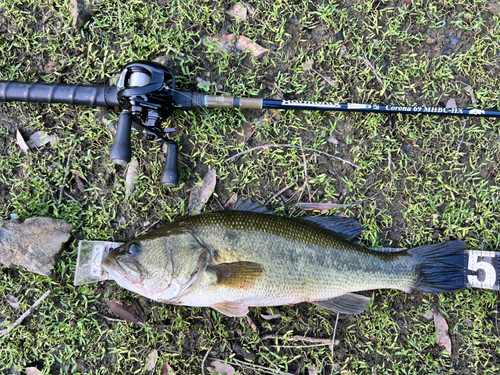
[[147, 95]]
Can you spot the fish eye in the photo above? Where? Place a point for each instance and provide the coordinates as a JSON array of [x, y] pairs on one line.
[[134, 249]]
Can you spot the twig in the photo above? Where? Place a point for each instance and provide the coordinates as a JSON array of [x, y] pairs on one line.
[[299, 338], [301, 346], [251, 323], [66, 173], [472, 96], [291, 146], [369, 65], [463, 135], [22, 317], [55, 187], [334, 333], [278, 193], [204, 359], [112, 319], [261, 368], [306, 179]]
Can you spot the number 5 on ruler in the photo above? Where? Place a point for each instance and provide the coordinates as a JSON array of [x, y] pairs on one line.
[[482, 269]]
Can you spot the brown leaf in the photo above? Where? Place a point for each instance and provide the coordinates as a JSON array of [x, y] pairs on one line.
[[442, 337], [131, 177], [131, 313], [238, 11], [79, 174], [246, 44], [201, 194], [167, 370], [13, 301], [151, 360], [223, 369], [231, 201], [451, 103], [243, 135], [21, 142], [32, 371]]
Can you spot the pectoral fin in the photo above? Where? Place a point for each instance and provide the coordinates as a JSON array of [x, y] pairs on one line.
[[349, 303], [240, 275], [231, 308]]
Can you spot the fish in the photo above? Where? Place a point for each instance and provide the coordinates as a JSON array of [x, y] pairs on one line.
[[248, 257]]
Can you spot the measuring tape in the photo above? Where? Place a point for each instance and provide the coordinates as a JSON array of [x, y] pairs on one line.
[[482, 269]]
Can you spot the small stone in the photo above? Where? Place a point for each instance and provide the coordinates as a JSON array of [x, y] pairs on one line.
[[429, 40], [428, 315], [454, 40]]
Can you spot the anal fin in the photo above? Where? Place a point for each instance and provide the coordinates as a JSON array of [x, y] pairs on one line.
[[349, 303], [232, 309], [239, 275]]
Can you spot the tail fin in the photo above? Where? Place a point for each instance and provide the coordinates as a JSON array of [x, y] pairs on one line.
[[440, 267]]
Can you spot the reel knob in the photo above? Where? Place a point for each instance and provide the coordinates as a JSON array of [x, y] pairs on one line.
[[121, 151], [170, 174]]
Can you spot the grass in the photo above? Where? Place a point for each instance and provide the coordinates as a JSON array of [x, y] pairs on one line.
[[433, 179]]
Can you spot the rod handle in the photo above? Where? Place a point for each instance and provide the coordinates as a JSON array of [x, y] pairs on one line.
[[121, 151], [170, 174]]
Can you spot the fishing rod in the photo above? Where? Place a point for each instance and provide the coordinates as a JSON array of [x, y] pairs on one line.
[[147, 95]]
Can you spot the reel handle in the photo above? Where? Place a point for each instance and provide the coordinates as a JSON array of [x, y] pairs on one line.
[[121, 151], [170, 174]]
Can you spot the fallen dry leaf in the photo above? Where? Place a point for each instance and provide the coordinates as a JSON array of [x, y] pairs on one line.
[[151, 360], [442, 337], [343, 54], [32, 371], [223, 369], [238, 11], [13, 301], [131, 177], [231, 201], [78, 174], [201, 194], [131, 313], [246, 44], [167, 370], [40, 139], [243, 135], [21, 142], [451, 103]]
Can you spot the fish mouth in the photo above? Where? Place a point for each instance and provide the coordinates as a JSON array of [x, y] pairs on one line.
[[137, 280]]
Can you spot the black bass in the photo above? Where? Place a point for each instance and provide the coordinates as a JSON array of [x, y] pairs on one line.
[[231, 260]]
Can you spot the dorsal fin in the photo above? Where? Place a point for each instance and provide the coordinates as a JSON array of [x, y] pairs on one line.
[[248, 204], [344, 227]]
